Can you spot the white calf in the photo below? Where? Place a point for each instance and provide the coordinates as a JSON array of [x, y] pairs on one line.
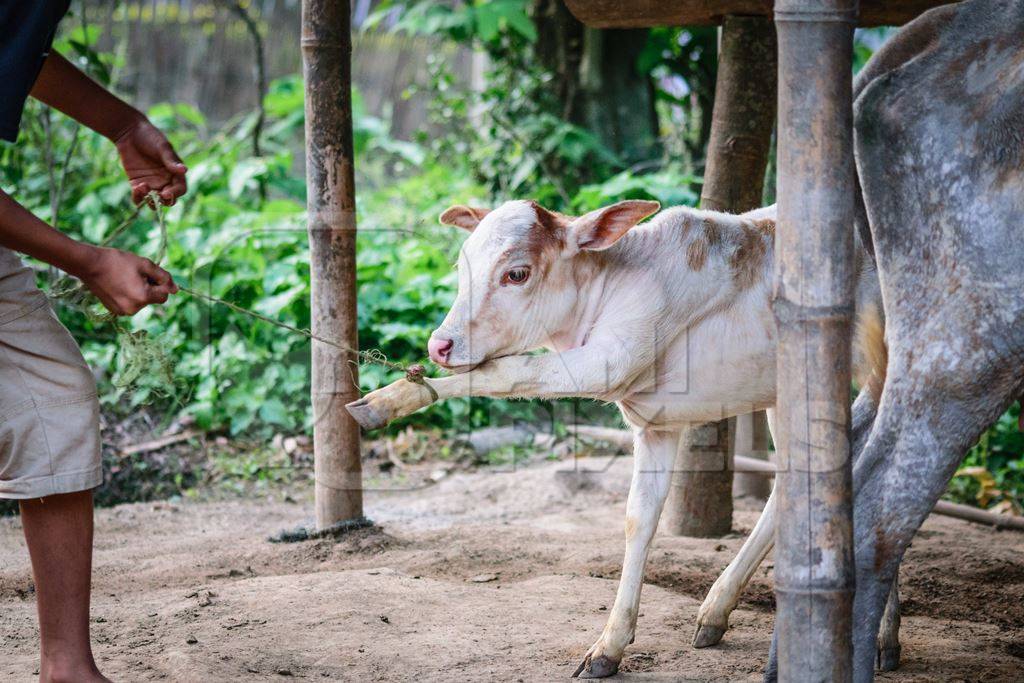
[[671, 320]]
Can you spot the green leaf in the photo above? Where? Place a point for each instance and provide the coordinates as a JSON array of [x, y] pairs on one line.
[[273, 411], [272, 305], [487, 22], [522, 24], [244, 174]]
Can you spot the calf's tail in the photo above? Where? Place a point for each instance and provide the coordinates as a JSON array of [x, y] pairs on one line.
[[872, 355]]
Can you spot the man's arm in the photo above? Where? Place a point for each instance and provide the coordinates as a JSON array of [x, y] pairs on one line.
[[123, 282], [147, 156]]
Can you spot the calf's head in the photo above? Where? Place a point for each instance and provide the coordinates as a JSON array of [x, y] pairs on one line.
[[519, 279]]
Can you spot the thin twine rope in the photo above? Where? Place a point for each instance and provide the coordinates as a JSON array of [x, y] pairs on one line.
[[415, 372]]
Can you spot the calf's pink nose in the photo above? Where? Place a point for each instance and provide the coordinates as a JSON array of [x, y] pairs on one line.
[[439, 349]]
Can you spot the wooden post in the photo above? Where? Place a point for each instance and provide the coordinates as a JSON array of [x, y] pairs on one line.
[[700, 497], [327, 69], [813, 297], [700, 500]]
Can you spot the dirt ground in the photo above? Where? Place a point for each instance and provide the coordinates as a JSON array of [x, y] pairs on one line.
[[488, 575]]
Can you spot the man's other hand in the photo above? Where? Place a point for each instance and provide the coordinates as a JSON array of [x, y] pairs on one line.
[[125, 283], [151, 163]]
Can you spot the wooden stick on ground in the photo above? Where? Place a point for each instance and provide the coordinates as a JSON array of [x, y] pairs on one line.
[[623, 438], [162, 442]]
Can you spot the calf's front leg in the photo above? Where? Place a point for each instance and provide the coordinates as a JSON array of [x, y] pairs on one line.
[[654, 454], [581, 372]]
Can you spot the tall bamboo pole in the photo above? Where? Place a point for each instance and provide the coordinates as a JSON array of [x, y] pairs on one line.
[[327, 69], [700, 500], [814, 571]]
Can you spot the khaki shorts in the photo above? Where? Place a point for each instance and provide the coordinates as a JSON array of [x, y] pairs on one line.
[[49, 413]]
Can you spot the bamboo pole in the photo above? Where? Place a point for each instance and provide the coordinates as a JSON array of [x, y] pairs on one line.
[[327, 69], [700, 500], [814, 569]]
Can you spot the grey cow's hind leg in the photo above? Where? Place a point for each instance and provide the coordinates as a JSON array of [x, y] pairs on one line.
[[919, 436], [889, 632], [951, 286]]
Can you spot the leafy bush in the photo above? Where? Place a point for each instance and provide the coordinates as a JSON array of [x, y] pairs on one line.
[[239, 234]]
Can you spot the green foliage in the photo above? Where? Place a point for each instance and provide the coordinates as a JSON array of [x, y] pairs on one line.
[[486, 20], [230, 372], [684, 64], [510, 134], [992, 474], [671, 187]]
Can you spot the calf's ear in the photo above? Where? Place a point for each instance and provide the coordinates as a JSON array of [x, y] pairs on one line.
[[600, 229], [465, 217]]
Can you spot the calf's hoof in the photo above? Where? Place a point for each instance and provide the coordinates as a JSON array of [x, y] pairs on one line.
[[888, 658], [707, 635], [363, 412], [596, 667], [396, 400]]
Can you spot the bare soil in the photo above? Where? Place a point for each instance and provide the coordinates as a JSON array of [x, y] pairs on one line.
[[488, 575]]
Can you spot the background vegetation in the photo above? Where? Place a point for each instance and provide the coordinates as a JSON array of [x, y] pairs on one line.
[[570, 116]]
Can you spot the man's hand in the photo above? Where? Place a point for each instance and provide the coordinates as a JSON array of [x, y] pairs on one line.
[[126, 283], [150, 162], [148, 159]]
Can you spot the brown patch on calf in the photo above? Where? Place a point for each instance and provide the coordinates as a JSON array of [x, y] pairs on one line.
[[547, 233], [747, 261], [872, 351], [766, 226], [701, 245]]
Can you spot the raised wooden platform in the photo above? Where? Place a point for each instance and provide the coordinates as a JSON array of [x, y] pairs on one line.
[[644, 13]]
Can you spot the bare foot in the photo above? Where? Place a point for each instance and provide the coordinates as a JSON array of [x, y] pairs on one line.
[[70, 673]]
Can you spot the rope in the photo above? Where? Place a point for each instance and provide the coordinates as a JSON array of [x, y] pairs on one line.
[[415, 373], [75, 293]]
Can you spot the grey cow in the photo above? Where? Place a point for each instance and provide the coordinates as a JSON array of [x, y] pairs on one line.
[[939, 138]]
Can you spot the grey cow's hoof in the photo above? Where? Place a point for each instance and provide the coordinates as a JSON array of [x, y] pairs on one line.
[[888, 658], [708, 635], [599, 667]]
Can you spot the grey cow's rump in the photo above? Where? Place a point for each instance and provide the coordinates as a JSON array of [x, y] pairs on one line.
[[939, 139]]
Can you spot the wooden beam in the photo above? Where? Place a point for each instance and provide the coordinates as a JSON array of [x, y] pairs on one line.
[[647, 13], [945, 508], [331, 205]]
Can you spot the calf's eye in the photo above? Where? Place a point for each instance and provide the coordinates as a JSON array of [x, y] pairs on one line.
[[516, 276]]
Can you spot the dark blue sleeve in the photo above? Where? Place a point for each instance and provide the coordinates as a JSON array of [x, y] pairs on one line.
[[26, 32]]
